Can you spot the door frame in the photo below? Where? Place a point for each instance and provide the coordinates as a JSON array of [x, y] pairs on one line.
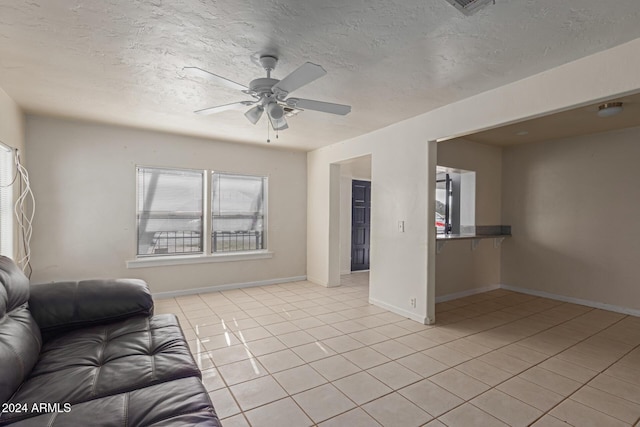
[[353, 180]]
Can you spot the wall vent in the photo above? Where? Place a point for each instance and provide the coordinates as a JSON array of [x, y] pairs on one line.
[[469, 7]]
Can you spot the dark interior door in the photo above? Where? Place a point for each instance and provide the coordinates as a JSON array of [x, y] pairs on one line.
[[360, 224]]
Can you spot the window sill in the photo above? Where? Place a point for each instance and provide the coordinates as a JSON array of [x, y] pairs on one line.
[[197, 259]]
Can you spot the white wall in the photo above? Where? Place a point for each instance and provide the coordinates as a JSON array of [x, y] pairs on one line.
[[458, 268], [12, 134], [403, 170], [11, 122], [345, 222], [83, 178], [575, 209], [393, 199]]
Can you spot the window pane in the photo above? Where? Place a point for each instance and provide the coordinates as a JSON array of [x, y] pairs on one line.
[[170, 211], [237, 204], [441, 204]]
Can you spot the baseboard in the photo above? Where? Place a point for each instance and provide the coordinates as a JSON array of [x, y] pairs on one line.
[[399, 311], [468, 292], [317, 281], [172, 294], [579, 301]]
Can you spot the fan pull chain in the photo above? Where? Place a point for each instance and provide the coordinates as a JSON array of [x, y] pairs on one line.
[[268, 139]]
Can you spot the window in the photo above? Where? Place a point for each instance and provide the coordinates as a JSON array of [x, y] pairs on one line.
[[444, 193], [7, 171], [170, 211], [175, 211], [237, 212], [455, 201]]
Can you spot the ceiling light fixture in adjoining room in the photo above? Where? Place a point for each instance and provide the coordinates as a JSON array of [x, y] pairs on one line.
[[609, 109]]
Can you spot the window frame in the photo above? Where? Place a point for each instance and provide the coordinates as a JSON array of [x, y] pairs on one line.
[[448, 226], [207, 254], [203, 212], [265, 210], [7, 215]]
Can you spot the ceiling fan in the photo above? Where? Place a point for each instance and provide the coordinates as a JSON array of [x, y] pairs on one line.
[[270, 94]]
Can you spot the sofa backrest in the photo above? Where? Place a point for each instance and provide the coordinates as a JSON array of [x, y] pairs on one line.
[[20, 339]]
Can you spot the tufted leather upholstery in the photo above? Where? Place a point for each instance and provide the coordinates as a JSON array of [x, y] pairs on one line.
[[109, 359], [111, 362], [63, 306], [20, 339], [183, 403]]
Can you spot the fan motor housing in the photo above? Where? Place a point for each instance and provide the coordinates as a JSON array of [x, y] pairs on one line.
[[262, 85]]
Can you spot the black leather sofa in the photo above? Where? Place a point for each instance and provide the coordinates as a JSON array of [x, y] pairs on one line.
[[91, 353]]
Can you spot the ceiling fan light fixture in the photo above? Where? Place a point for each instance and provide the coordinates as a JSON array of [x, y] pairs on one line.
[[254, 114], [291, 112], [469, 7], [275, 111], [271, 95], [609, 109]]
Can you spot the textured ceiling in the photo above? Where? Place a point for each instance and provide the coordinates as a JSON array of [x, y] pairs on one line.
[[574, 122], [120, 61]]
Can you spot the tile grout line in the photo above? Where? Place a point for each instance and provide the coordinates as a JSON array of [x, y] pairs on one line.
[[585, 384], [414, 351]]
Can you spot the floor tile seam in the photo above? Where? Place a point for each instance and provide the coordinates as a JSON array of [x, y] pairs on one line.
[[503, 324], [389, 339], [228, 388], [522, 339], [464, 402], [613, 339], [583, 385], [550, 357], [504, 381], [499, 419], [494, 350], [624, 380], [292, 397], [390, 393], [588, 337], [602, 372]]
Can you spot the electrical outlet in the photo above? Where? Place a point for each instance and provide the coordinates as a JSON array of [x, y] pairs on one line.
[[413, 302], [401, 226]]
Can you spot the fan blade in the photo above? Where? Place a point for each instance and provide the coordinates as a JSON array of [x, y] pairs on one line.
[[254, 114], [304, 74], [216, 78], [278, 124], [220, 108], [325, 107]]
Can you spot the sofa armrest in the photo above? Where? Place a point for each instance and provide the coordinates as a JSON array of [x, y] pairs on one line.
[[62, 306]]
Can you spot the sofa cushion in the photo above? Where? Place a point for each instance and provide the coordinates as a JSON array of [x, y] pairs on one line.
[[182, 402], [63, 306], [20, 339], [105, 360]]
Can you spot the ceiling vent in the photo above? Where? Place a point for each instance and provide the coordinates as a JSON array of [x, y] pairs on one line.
[[469, 7]]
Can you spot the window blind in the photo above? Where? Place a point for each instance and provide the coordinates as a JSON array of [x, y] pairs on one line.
[[169, 211], [237, 212]]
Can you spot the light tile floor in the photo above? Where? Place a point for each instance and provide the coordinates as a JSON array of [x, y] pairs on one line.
[[297, 354]]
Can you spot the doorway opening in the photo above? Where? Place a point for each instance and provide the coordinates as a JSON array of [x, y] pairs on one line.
[[355, 208], [360, 224]]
